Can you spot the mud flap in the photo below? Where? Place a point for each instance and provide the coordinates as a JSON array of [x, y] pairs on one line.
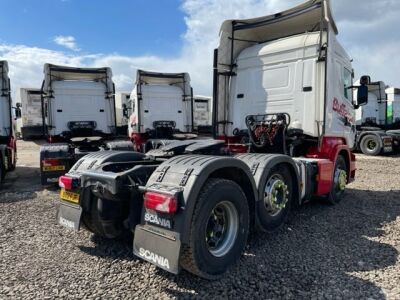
[[159, 247], [69, 216]]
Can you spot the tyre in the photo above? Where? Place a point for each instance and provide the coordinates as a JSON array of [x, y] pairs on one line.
[[370, 145], [275, 206], [339, 181], [105, 219], [218, 231]]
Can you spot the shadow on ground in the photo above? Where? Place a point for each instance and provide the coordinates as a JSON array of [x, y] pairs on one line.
[[312, 255]]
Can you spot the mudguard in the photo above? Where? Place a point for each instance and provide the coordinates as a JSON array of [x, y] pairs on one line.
[[261, 164], [187, 175]]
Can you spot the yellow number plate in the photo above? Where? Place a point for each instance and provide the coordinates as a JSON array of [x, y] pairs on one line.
[[69, 196], [53, 168]]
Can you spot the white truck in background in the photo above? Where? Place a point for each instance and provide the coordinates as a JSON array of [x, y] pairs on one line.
[[162, 108], [30, 125], [377, 122], [8, 145], [78, 117], [202, 114], [122, 111]]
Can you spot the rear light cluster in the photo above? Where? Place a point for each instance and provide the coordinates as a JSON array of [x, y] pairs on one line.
[[68, 183], [50, 162], [161, 203]]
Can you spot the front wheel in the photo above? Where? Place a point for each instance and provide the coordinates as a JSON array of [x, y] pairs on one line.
[[219, 229], [339, 181]]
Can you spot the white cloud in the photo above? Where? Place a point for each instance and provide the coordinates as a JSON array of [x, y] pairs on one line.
[[374, 48], [67, 42]]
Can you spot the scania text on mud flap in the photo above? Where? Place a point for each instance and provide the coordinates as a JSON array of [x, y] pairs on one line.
[[78, 117], [280, 140], [8, 146]]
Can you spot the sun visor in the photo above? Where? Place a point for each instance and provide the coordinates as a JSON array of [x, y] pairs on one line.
[[60, 73], [310, 16]]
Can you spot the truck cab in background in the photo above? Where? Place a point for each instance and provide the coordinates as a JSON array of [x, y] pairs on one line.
[[202, 114], [30, 125], [376, 120], [8, 146], [122, 112], [162, 109], [78, 113]]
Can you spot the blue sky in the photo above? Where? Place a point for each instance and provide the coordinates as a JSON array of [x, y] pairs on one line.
[[127, 27], [171, 36]]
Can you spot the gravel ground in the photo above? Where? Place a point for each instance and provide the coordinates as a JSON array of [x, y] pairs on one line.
[[347, 251]]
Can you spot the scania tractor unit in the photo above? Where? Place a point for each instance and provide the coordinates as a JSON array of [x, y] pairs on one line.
[[8, 146], [284, 126], [122, 111], [78, 117], [376, 121], [30, 125], [162, 109]]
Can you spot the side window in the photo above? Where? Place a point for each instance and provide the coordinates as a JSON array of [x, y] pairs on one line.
[[347, 82]]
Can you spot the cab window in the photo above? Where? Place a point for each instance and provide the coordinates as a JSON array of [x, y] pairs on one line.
[[347, 82]]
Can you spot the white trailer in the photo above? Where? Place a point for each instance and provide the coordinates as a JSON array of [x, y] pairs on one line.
[[30, 125], [162, 107], [122, 111], [8, 146]]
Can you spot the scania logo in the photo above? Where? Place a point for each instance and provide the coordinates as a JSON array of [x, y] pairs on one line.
[[155, 258], [157, 220], [66, 223]]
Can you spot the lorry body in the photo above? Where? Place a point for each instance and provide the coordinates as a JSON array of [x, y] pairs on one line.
[[376, 121], [78, 115], [162, 108], [8, 146], [30, 125], [202, 114], [281, 131], [122, 111]]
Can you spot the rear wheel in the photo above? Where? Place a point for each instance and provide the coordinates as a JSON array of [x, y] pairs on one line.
[[219, 229], [370, 145], [339, 181], [274, 208]]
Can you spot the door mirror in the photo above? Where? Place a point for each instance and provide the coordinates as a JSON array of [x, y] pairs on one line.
[[362, 95], [125, 111], [18, 113]]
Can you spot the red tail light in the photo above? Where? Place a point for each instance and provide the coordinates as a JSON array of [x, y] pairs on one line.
[[50, 162], [160, 202], [68, 183]]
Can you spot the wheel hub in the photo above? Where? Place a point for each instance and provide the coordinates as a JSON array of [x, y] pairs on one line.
[[222, 228], [371, 145], [276, 195], [341, 179]]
